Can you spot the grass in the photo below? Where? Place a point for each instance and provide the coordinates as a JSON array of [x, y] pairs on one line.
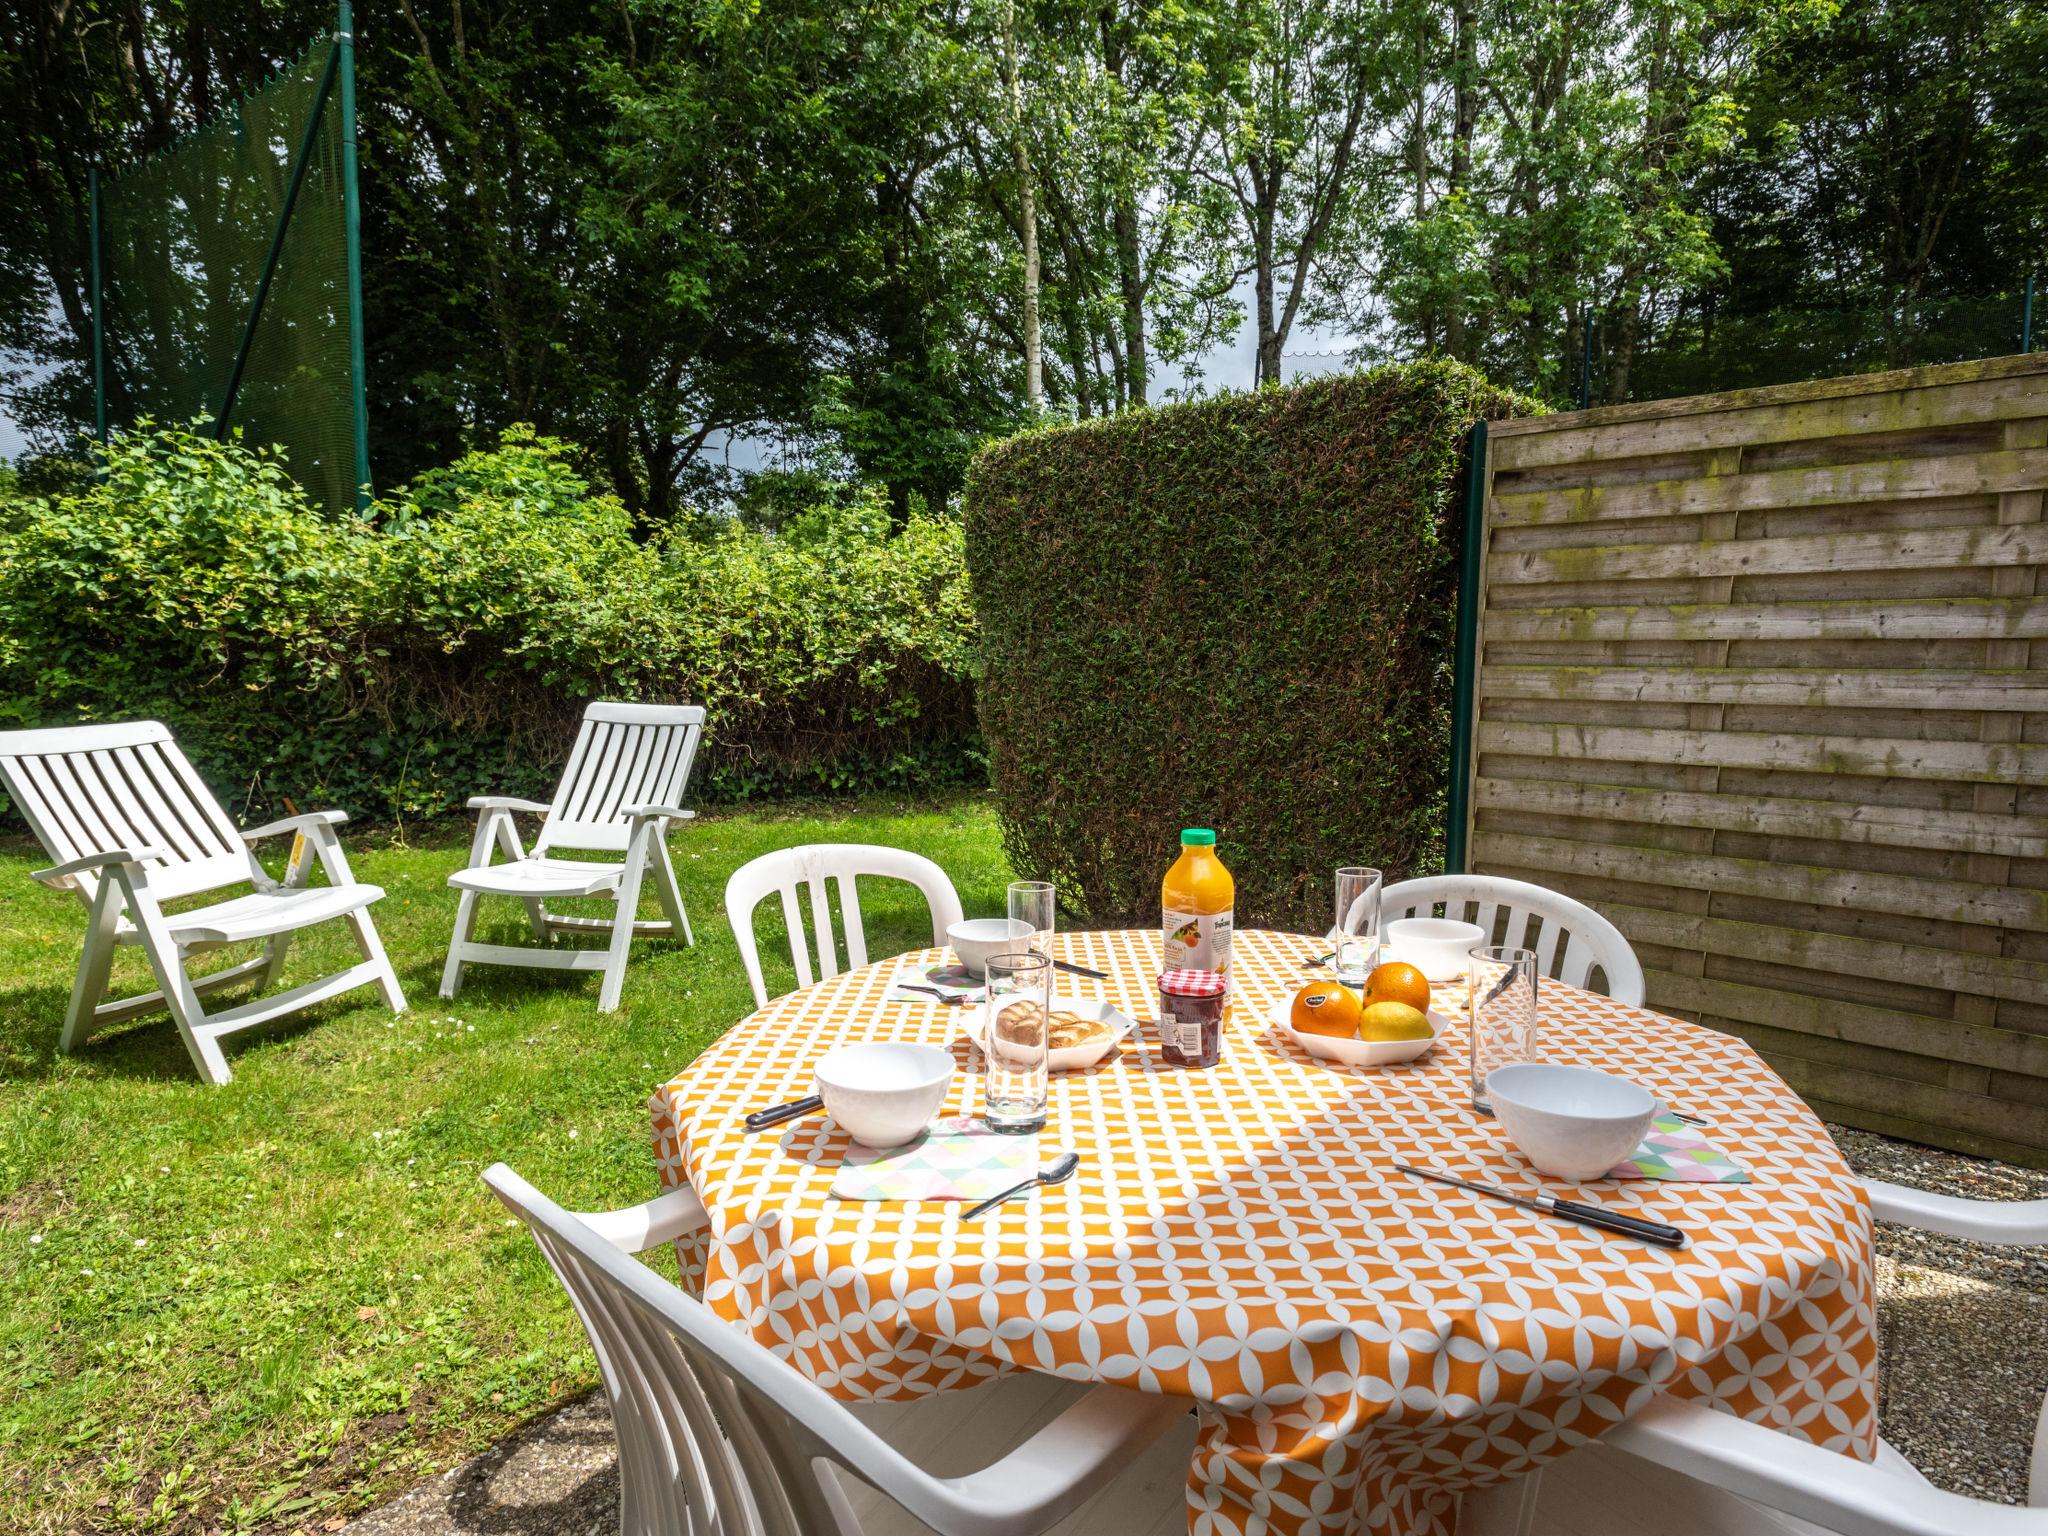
[[263, 1306]]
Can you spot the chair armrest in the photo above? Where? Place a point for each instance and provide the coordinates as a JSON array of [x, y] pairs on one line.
[[507, 803], [60, 876], [1832, 1491], [306, 821], [638, 1228], [1062, 1466], [1983, 1221], [660, 812]]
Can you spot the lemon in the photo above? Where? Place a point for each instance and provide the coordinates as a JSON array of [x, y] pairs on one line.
[[1393, 1021]]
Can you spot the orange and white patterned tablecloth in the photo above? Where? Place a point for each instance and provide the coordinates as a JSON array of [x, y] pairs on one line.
[[1362, 1346]]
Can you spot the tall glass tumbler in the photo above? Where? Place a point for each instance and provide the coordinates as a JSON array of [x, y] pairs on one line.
[[1501, 1013], [1018, 1041], [1356, 938], [1031, 902]]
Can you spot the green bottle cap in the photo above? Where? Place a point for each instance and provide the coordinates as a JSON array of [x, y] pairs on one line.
[[1197, 837]]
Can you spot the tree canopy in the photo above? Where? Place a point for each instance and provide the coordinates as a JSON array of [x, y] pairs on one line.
[[878, 232]]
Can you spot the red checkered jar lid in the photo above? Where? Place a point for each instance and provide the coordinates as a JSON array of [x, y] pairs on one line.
[[1191, 983]]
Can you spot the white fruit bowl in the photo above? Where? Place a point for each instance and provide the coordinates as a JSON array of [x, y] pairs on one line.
[[1355, 1052]]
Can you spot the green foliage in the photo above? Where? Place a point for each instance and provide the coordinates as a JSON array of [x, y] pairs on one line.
[[1236, 614], [446, 647]]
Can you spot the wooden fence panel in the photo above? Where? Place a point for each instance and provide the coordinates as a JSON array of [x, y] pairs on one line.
[[1764, 677]]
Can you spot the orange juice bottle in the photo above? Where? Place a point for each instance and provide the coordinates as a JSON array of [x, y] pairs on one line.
[[1195, 901]]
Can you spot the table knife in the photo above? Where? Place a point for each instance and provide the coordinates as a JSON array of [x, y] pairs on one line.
[[1079, 970], [1571, 1210], [761, 1119]]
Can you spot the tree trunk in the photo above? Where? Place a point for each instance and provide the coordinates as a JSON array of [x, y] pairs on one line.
[[1027, 211], [1130, 261], [1465, 122], [1262, 257]]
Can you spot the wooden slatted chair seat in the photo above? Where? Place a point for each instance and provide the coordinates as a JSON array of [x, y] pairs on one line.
[[132, 826], [622, 788]]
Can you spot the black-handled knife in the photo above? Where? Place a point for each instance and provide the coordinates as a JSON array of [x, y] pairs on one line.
[[1079, 970], [1571, 1210], [795, 1109]]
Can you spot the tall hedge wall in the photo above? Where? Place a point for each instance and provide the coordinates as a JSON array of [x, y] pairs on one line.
[[445, 647], [1234, 613]]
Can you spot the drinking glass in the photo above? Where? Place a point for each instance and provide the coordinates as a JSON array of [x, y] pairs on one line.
[[1356, 938], [1502, 1013], [1031, 902], [1019, 1010]]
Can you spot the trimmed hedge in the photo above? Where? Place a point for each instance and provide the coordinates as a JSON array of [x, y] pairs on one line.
[[446, 646], [1235, 613]]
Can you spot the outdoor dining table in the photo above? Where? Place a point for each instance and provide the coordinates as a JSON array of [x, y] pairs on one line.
[[1360, 1346]]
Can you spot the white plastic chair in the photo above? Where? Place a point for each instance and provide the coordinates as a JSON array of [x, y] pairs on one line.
[[812, 866], [1571, 942], [623, 786], [717, 1435], [132, 825], [1814, 1489]]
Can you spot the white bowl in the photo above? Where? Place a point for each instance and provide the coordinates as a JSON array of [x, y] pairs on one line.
[[1354, 1052], [884, 1093], [977, 939], [1075, 1058], [1571, 1122], [1439, 947]]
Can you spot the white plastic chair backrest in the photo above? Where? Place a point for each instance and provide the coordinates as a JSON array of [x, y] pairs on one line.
[[812, 866], [1571, 940], [737, 1428], [625, 755], [97, 788]]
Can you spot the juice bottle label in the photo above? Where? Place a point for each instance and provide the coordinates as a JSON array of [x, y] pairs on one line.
[[1195, 941]]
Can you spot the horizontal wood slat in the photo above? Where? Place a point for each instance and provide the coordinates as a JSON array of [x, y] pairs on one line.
[[1959, 618], [1913, 550], [1928, 688], [1845, 822], [1764, 676], [2021, 469]]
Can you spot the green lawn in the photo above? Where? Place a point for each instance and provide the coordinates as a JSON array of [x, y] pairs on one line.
[[260, 1306]]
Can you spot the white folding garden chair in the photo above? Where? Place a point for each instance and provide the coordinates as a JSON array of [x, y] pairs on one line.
[[1684, 1459], [132, 825], [623, 786], [1571, 939], [812, 866], [717, 1435]]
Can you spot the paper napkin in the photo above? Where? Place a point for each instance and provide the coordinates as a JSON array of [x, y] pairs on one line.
[[960, 1158], [1674, 1150], [952, 980]]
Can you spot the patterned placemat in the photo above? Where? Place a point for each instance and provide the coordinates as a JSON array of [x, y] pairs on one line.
[[959, 1158], [1674, 1150]]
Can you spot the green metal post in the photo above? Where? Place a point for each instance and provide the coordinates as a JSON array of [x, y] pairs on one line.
[[99, 322], [284, 219], [1465, 684], [345, 31]]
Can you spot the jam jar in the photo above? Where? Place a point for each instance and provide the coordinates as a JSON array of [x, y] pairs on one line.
[[1191, 1017]]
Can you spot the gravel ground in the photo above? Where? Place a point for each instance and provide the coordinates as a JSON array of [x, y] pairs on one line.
[[1965, 1364], [1964, 1325]]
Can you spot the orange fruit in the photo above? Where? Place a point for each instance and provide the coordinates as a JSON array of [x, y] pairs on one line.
[[1395, 982], [1326, 1008]]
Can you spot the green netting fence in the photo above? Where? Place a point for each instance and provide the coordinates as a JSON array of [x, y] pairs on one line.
[[229, 276]]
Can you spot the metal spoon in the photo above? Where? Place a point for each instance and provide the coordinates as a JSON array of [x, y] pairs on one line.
[[1057, 1172], [951, 1000]]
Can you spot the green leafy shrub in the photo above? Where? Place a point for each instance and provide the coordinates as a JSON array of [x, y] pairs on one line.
[[1234, 613], [447, 645]]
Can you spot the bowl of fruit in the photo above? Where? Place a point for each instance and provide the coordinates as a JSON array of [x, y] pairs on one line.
[[1389, 1022]]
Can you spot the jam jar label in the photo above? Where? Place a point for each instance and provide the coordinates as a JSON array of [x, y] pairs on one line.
[[1195, 941]]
